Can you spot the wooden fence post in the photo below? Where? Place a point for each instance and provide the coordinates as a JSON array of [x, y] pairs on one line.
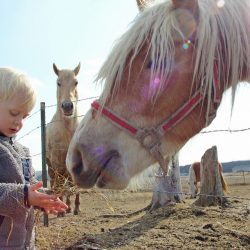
[[211, 193], [244, 177]]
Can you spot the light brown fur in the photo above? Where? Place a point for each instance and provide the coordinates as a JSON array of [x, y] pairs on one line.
[[60, 130], [101, 153]]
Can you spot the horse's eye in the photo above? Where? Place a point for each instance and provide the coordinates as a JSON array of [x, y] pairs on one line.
[[58, 83], [155, 64], [76, 82], [149, 65]]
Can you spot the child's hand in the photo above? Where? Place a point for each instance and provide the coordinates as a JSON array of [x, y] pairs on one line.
[[50, 203]]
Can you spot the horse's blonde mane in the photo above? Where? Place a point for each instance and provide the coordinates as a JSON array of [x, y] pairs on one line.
[[227, 27], [224, 36]]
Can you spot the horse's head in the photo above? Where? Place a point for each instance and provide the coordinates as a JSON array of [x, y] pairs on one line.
[[160, 83], [67, 94]]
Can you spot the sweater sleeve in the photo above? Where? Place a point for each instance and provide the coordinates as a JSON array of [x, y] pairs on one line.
[[33, 178], [11, 183], [11, 198]]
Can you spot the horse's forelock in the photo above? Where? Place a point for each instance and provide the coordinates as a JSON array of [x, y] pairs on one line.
[[156, 27], [151, 23]]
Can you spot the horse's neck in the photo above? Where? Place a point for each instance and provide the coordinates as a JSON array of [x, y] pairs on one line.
[[67, 124]]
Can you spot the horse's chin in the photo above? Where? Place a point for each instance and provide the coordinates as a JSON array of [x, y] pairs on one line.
[[107, 174], [102, 181], [111, 182], [68, 114]]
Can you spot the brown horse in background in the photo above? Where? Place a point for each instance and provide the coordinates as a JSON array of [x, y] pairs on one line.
[[60, 131], [194, 178]]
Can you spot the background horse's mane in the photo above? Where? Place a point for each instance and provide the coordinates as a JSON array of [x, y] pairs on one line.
[[222, 34]]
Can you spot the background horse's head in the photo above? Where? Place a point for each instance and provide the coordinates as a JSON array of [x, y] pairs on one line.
[[67, 94], [163, 82]]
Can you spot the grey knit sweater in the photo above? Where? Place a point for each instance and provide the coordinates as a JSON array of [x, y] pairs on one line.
[[16, 221]]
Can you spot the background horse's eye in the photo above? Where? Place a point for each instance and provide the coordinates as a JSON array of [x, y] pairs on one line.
[[76, 82], [58, 83]]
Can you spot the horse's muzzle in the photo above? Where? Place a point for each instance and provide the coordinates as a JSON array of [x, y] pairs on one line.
[[67, 107]]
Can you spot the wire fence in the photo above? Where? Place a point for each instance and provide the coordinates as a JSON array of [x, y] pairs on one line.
[[50, 106], [82, 115], [147, 183], [232, 178]]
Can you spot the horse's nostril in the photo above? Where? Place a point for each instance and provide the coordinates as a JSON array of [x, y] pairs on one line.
[[77, 169], [67, 106], [74, 161]]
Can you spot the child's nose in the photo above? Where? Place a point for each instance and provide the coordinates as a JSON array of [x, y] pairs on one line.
[[19, 122]]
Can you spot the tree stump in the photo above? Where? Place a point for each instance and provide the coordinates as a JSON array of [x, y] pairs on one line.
[[211, 191], [168, 188]]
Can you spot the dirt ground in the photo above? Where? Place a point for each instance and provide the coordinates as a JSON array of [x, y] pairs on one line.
[[181, 226]]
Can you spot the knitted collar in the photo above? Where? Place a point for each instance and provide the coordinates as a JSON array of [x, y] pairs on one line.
[[6, 138]]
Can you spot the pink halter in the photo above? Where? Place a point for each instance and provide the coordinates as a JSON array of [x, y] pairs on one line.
[[150, 138]]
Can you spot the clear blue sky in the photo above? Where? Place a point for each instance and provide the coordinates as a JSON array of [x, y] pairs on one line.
[[34, 34]]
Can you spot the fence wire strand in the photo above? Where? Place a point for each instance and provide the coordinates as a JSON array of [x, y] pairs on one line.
[[95, 97], [206, 195], [159, 191], [225, 130]]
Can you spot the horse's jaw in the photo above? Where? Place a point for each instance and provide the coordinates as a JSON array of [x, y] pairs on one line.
[[105, 156], [88, 169]]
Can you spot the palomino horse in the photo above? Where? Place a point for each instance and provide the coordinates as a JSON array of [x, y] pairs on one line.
[[60, 131], [194, 178], [163, 82]]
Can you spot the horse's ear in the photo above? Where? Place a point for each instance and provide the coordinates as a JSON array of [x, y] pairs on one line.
[[76, 70], [191, 5], [187, 14], [141, 4], [56, 70]]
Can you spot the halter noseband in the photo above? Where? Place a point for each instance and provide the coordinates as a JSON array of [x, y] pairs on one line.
[[150, 138]]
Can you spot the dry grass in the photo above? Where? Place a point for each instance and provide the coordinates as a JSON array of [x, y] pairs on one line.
[[183, 223]]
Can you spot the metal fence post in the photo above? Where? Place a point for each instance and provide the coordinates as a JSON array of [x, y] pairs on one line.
[[44, 170], [244, 177]]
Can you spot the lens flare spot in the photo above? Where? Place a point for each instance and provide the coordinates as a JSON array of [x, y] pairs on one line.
[[99, 150], [154, 86], [186, 44], [156, 82], [220, 3]]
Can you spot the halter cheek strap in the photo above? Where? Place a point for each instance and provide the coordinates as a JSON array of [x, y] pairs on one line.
[[217, 95], [150, 138]]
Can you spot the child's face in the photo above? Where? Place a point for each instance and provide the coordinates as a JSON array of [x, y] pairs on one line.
[[12, 115]]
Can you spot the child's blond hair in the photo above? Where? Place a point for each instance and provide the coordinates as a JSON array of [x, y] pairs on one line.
[[12, 82]]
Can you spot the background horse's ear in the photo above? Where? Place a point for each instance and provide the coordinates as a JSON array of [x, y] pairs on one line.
[[186, 4], [56, 70], [141, 4], [76, 70]]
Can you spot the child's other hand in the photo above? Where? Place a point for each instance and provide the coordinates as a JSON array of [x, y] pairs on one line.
[[50, 203]]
